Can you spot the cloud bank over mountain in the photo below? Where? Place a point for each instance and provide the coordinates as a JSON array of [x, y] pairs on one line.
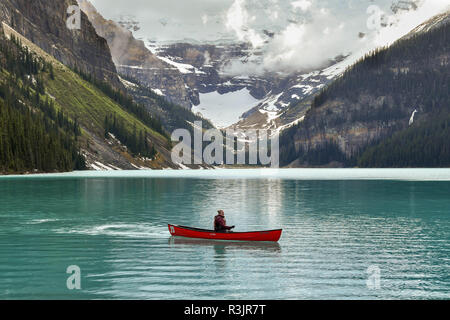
[[285, 35]]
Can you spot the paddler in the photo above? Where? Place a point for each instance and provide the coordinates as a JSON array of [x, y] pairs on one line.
[[220, 223]]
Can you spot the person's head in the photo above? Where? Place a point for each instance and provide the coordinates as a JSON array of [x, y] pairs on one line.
[[221, 213]]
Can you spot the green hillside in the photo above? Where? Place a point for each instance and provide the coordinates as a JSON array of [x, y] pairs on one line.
[[84, 103], [34, 134]]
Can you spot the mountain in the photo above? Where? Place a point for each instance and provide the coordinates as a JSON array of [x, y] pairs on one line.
[[171, 115], [44, 23], [134, 60], [152, 82], [100, 98], [191, 74], [70, 97], [224, 97], [224, 76], [391, 109], [34, 135]]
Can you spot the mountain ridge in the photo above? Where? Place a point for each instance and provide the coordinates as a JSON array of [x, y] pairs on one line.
[[86, 104], [133, 59], [387, 93], [44, 23]]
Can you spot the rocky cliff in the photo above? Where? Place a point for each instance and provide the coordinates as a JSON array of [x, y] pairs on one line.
[[44, 23], [113, 131], [210, 68], [183, 72], [134, 60]]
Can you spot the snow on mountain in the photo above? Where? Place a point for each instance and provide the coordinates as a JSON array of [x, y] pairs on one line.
[[240, 56], [223, 110], [182, 67]]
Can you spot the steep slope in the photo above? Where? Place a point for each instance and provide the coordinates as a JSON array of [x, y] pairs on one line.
[[395, 102], [134, 60], [192, 74], [253, 86], [44, 23], [128, 143], [34, 135], [223, 91], [172, 116]]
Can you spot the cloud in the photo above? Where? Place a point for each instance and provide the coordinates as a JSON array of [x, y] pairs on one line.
[[328, 31], [302, 4], [405, 21], [205, 19], [170, 20], [308, 37], [310, 45], [285, 35], [238, 20]]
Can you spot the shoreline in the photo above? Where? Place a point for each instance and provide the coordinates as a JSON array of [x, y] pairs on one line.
[[399, 174]]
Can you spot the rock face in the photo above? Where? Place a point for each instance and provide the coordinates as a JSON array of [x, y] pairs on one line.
[[134, 60], [44, 23], [210, 68], [41, 27], [183, 71]]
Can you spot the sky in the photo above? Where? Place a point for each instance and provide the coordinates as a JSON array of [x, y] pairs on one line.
[[284, 34], [209, 20]]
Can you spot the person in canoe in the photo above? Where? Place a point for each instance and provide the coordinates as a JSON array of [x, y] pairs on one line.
[[220, 223]]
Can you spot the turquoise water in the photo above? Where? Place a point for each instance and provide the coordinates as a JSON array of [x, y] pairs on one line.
[[114, 227]]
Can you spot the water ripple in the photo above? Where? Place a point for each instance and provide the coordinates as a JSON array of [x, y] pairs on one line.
[[115, 230]]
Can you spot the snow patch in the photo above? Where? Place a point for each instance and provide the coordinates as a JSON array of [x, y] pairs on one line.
[[102, 166], [271, 115], [115, 168], [182, 67], [411, 120], [139, 167], [226, 109], [127, 83], [158, 92], [116, 140], [291, 124], [269, 104], [98, 166]]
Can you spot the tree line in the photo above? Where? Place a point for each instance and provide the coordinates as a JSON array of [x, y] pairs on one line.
[[136, 142], [125, 101], [413, 73], [34, 135]]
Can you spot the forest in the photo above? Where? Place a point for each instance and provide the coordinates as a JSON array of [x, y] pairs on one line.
[[413, 73], [137, 143], [34, 135], [126, 102]]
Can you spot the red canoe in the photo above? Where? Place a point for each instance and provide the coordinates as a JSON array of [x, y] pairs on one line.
[[182, 231]]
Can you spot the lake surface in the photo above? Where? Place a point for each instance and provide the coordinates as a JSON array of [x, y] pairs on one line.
[[347, 234]]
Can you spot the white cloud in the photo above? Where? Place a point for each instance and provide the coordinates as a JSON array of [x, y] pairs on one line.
[[330, 32], [286, 35], [237, 20], [405, 21], [205, 19], [304, 5]]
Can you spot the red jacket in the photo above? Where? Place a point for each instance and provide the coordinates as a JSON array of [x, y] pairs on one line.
[[220, 223]]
